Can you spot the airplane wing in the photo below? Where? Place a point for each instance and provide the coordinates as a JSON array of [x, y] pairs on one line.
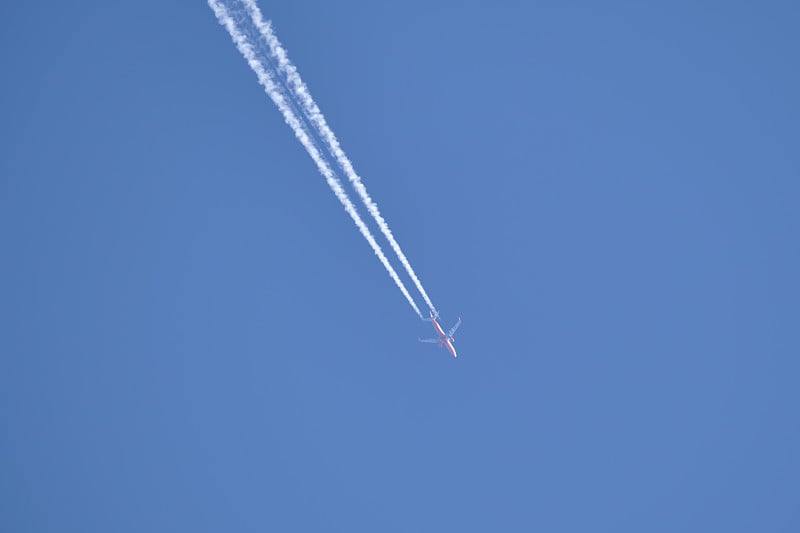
[[454, 328], [433, 341]]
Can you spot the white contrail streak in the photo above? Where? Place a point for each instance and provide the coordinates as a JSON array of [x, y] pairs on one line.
[[265, 79], [313, 113]]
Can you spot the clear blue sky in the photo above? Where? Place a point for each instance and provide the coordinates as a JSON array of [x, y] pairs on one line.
[[194, 337]]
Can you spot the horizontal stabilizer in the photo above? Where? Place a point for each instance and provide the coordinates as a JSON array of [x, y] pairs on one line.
[[433, 314]]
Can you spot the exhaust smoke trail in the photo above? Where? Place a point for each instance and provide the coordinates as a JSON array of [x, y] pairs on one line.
[[315, 116], [265, 79]]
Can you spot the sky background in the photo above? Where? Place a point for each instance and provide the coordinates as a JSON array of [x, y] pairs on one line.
[[195, 337]]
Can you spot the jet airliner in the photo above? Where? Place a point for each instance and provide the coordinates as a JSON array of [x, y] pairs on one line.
[[445, 339]]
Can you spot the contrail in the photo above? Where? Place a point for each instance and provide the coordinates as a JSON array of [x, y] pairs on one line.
[[313, 113], [265, 79]]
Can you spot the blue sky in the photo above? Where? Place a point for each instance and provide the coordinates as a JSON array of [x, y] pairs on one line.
[[194, 337]]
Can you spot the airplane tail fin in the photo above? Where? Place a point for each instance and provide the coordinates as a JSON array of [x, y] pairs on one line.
[[433, 314]]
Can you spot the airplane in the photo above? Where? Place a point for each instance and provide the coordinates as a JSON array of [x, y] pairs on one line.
[[445, 339]]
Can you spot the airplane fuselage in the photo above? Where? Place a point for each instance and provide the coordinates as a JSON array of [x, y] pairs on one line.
[[446, 341]]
